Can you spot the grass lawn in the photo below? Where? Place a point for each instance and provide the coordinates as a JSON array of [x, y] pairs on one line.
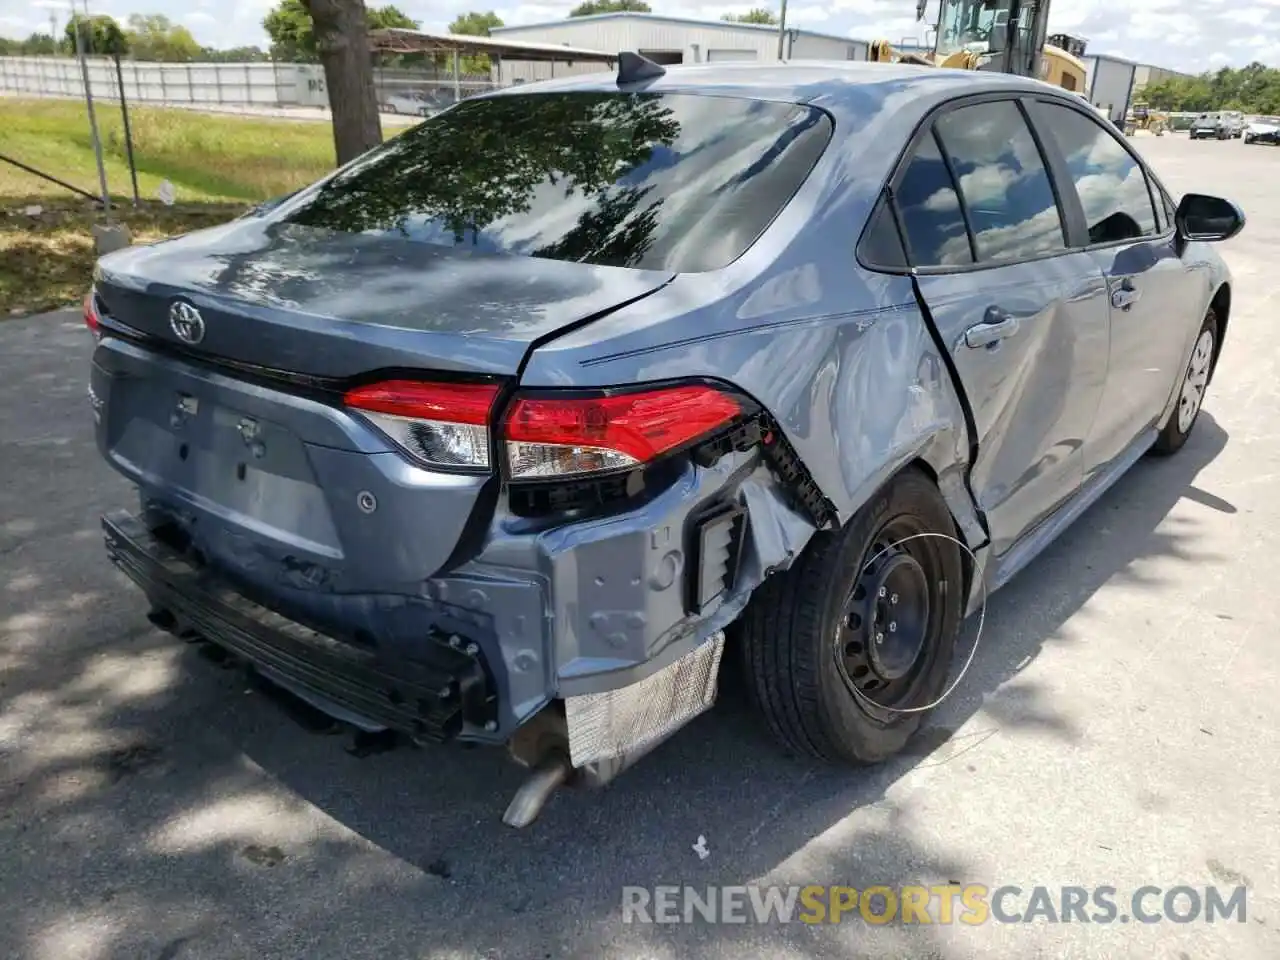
[[217, 164]]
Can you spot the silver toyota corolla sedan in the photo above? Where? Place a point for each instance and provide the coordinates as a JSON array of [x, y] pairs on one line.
[[512, 429]]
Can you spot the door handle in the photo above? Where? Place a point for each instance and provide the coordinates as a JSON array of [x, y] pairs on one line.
[[1125, 296], [998, 325]]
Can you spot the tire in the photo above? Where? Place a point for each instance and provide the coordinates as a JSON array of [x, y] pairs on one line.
[[1199, 370], [799, 619]]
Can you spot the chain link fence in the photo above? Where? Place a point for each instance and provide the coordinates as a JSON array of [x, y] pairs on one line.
[[247, 87]]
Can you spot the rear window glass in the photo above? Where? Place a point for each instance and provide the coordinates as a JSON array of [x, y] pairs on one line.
[[658, 181]]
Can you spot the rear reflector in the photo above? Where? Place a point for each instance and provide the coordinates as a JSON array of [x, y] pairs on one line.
[[562, 436], [439, 424], [91, 315]]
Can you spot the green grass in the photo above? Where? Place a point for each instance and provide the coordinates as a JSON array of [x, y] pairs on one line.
[[205, 156], [217, 164]]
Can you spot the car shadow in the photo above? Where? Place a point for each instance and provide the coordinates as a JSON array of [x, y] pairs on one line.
[[153, 802]]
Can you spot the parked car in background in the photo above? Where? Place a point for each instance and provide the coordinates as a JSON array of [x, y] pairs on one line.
[[1262, 130], [1218, 125], [411, 103], [493, 434]]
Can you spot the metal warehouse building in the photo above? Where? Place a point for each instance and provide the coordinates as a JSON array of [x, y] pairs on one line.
[[669, 40]]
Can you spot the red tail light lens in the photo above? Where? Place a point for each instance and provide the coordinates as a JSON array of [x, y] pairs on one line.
[[439, 424], [549, 437], [91, 315]]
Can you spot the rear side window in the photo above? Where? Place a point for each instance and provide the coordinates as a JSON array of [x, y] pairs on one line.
[[659, 181], [1112, 187], [930, 210], [1003, 182]]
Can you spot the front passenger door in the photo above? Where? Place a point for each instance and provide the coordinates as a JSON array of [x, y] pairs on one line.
[[1024, 318], [1131, 238]]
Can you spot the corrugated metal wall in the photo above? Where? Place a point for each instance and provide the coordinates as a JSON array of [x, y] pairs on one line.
[[696, 43]]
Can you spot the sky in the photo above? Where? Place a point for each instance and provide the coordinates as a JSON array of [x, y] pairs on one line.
[[1187, 35]]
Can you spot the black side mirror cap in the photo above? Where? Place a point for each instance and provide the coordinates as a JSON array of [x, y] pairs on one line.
[[1207, 219]]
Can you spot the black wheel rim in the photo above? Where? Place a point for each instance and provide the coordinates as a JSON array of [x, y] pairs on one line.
[[886, 641]]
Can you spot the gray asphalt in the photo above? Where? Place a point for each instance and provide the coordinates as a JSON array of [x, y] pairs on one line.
[[1118, 727]]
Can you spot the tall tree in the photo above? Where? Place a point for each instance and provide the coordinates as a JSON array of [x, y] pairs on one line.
[[153, 36], [475, 25], [292, 32], [755, 15], [100, 33], [590, 8], [341, 30]]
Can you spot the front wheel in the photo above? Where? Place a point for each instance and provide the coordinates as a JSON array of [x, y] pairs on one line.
[[862, 627], [1195, 381]]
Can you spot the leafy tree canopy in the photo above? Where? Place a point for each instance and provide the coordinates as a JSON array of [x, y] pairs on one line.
[[591, 7], [292, 33], [755, 15], [101, 35], [475, 24], [152, 36], [1252, 89]]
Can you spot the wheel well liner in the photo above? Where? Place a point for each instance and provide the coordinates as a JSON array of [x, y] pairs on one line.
[[1221, 306]]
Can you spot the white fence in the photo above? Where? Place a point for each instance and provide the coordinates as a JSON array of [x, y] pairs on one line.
[[248, 85]]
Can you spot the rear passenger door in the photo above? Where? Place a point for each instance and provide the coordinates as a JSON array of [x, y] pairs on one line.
[[1127, 230], [1024, 318]]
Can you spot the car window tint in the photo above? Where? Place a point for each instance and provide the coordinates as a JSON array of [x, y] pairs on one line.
[[1003, 182], [1111, 184], [658, 181], [882, 244], [930, 210]]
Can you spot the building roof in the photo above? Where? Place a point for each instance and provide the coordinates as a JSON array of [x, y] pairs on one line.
[[684, 21], [398, 40]]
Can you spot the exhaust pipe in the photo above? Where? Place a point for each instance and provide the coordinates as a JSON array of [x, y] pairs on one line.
[[542, 782]]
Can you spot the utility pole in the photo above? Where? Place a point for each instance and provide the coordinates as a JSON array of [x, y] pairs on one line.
[[88, 101], [782, 28]]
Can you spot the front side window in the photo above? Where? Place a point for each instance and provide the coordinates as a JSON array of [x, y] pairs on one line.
[[1003, 182], [1112, 187], [674, 182]]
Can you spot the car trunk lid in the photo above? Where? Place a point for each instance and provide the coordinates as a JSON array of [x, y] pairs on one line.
[[336, 305]]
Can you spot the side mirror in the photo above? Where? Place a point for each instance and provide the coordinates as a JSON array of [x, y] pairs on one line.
[[1206, 218]]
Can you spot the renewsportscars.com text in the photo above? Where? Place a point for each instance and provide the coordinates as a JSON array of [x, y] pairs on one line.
[[970, 904]]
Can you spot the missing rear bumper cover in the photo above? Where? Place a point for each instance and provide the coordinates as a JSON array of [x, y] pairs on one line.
[[429, 697]]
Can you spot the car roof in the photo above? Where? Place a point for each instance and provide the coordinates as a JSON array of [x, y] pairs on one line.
[[835, 85]]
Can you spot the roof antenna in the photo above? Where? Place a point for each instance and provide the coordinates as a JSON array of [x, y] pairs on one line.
[[633, 68]]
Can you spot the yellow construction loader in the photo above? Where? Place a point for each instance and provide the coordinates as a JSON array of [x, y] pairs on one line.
[[1007, 36], [1142, 117]]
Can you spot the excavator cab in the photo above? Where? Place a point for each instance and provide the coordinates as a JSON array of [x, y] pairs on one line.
[[1006, 36]]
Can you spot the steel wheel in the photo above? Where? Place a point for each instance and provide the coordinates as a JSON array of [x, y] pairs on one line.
[[886, 639], [1197, 378]]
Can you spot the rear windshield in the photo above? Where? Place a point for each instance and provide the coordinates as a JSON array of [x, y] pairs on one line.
[[659, 181]]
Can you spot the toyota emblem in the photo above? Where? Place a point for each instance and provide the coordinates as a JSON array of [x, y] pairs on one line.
[[186, 322]]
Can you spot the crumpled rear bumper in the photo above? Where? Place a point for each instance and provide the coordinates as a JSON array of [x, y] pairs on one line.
[[629, 602], [430, 696]]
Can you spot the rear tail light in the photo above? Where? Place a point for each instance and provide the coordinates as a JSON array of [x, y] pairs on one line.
[[91, 318], [566, 436], [439, 424]]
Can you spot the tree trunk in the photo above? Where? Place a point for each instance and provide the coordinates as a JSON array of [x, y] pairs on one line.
[[342, 31]]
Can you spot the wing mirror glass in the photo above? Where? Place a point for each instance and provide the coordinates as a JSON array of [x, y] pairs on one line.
[[1206, 218]]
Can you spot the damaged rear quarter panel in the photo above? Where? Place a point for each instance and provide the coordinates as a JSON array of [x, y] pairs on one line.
[[840, 357]]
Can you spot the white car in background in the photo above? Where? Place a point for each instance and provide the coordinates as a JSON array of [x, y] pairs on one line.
[[1262, 130], [410, 103]]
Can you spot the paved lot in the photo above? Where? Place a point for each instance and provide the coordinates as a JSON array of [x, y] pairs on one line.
[[1119, 727]]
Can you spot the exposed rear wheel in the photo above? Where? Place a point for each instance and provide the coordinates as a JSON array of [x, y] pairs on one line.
[[865, 620], [1195, 380]]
